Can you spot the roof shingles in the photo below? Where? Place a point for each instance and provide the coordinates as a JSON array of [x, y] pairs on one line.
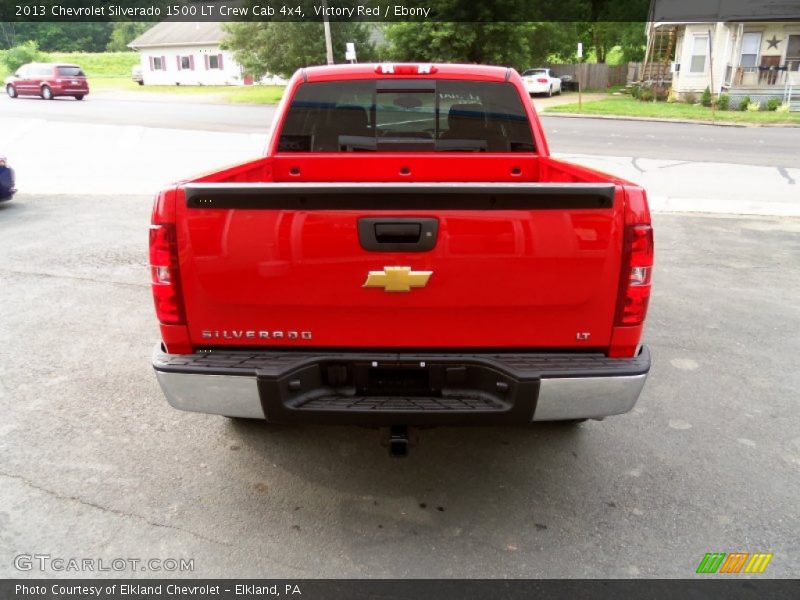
[[176, 33]]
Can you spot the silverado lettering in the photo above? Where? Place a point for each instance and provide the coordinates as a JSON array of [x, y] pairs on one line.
[[411, 216], [252, 334]]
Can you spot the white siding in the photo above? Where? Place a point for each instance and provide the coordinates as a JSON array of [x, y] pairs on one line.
[[229, 74], [696, 77], [729, 42]]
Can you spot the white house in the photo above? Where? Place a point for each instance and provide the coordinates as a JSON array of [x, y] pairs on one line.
[[743, 59], [176, 53]]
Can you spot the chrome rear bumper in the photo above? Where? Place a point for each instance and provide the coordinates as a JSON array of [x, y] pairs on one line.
[[495, 388]]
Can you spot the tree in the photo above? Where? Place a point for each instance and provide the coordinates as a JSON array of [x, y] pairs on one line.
[[488, 43], [58, 37], [553, 42], [610, 25], [520, 45], [633, 41], [124, 33], [280, 48], [602, 36], [8, 35], [20, 55]]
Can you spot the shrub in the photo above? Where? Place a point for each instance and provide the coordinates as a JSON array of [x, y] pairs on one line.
[[754, 106], [671, 97], [744, 103], [723, 102], [646, 92], [783, 108], [773, 103], [690, 98], [20, 55], [705, 98]]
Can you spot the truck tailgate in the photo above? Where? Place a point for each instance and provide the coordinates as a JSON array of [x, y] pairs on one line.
[[447, 265]]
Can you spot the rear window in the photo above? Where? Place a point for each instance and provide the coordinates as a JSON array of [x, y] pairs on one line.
[[70, 72], [406, 115]]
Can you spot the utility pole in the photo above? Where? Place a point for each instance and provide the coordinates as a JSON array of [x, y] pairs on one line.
[[580, 77], [327, 25], [711, 73]]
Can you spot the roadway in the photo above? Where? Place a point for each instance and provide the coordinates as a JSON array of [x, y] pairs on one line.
[[766, 146]]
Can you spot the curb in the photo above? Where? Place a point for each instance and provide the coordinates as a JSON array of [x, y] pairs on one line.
[[664, 120]]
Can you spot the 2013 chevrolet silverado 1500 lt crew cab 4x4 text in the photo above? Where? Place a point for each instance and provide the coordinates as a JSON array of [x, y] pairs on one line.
[[407, 253]]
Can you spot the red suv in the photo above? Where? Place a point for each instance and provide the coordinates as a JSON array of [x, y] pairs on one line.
[[48, 80]]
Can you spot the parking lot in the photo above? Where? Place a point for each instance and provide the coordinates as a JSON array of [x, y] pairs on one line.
[[94, 463]]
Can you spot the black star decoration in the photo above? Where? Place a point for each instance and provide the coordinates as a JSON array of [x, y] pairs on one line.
[[773, 43]]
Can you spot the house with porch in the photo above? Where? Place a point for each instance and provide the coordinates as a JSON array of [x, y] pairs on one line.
[[759, 60]]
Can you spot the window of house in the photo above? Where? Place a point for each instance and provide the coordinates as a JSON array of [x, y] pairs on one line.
[[158, 63], [751, 42], [699, 54], [793, 53], [186, 62], [213, 61]]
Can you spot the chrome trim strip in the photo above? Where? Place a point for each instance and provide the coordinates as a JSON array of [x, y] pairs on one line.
[[229, 395], [587, 397]]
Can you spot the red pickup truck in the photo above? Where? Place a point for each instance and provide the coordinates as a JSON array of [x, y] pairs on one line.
[[407, 253]]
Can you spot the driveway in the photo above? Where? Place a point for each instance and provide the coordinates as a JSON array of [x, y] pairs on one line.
[[542, 102]]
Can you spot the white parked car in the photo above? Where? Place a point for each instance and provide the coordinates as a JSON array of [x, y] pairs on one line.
[[136, 74], [541, 81]]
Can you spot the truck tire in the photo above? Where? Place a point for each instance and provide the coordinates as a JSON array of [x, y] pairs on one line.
[[47, 93], [11, 91], [79, 97]]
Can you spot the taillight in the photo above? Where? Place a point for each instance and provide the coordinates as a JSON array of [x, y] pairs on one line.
[[542, 80], [637, 266], [164, 274], [393, 69]]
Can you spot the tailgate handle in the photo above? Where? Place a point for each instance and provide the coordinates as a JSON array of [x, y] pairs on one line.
[[398, 234]]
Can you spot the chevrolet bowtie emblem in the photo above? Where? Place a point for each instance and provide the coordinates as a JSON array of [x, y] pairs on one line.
[[397, 279]]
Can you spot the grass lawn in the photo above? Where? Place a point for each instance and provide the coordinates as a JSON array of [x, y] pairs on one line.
[[254, 94], [98, 64], [630, 107]]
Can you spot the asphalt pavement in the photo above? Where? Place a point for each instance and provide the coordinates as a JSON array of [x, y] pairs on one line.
[[166, 113], [767, 146], [691, 142], [94, 463]]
